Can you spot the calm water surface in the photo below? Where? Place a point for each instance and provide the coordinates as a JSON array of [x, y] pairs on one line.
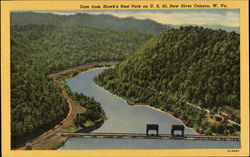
[[123, 118]]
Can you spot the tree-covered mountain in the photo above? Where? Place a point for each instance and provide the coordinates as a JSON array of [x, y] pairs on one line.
[[214, 27], [228, 29], [87, 20], [37, 50], [189, 64]]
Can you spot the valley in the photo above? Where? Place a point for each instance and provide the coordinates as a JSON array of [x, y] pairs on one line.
[[187, 75]]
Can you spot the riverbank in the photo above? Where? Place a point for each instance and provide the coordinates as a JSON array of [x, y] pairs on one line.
[[197, 130], [198, 118], [147, 105], [52, 139]]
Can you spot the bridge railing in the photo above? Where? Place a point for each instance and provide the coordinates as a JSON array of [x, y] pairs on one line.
[[143, 135]]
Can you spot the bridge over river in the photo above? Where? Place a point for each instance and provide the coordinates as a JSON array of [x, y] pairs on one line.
[[152, 136]]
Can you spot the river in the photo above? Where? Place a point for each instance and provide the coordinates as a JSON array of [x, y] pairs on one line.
[[123, 118]]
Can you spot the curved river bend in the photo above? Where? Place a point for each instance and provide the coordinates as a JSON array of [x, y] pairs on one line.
[[123, 118]]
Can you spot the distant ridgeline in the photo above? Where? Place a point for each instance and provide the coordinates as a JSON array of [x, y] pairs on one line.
[[38, 50], [103, 21], [190, 64], [87, 20]]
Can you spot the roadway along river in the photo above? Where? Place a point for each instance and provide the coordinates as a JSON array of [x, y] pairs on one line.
[[123, 118]]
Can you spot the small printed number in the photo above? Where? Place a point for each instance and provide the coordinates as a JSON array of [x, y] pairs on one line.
[[233, 150]]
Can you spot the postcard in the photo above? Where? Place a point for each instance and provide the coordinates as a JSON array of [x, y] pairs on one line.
[[125, 78]]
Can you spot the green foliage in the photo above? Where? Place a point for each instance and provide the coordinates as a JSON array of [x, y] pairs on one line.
[[38, 50], [94, 111], [196, 65], [36, 103], [209, 131]]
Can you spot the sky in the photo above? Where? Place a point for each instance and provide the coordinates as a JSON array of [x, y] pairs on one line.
[[225, 17]]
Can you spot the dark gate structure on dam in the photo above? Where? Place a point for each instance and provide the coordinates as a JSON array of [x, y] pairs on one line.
[[152, 127], [177, 128]]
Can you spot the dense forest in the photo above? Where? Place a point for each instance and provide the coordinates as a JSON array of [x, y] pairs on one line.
[[186, 65], [38, 50]]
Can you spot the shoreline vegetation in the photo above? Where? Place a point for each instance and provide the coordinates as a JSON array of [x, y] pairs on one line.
[[197, 129], [52, 139], [198, 82], [129, 102], [146, 105]]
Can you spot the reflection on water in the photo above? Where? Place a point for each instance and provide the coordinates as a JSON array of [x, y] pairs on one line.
[[123, 118]]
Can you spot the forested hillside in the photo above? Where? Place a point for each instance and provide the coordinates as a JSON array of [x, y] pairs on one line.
[[38, 50], [214, 27], [87, 20], [190, 64]]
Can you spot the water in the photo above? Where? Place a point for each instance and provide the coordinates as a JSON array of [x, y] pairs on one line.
[[123, 118], [113, 143]]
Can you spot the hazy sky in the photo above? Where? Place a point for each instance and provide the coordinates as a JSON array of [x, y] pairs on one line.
[[226, 17]]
